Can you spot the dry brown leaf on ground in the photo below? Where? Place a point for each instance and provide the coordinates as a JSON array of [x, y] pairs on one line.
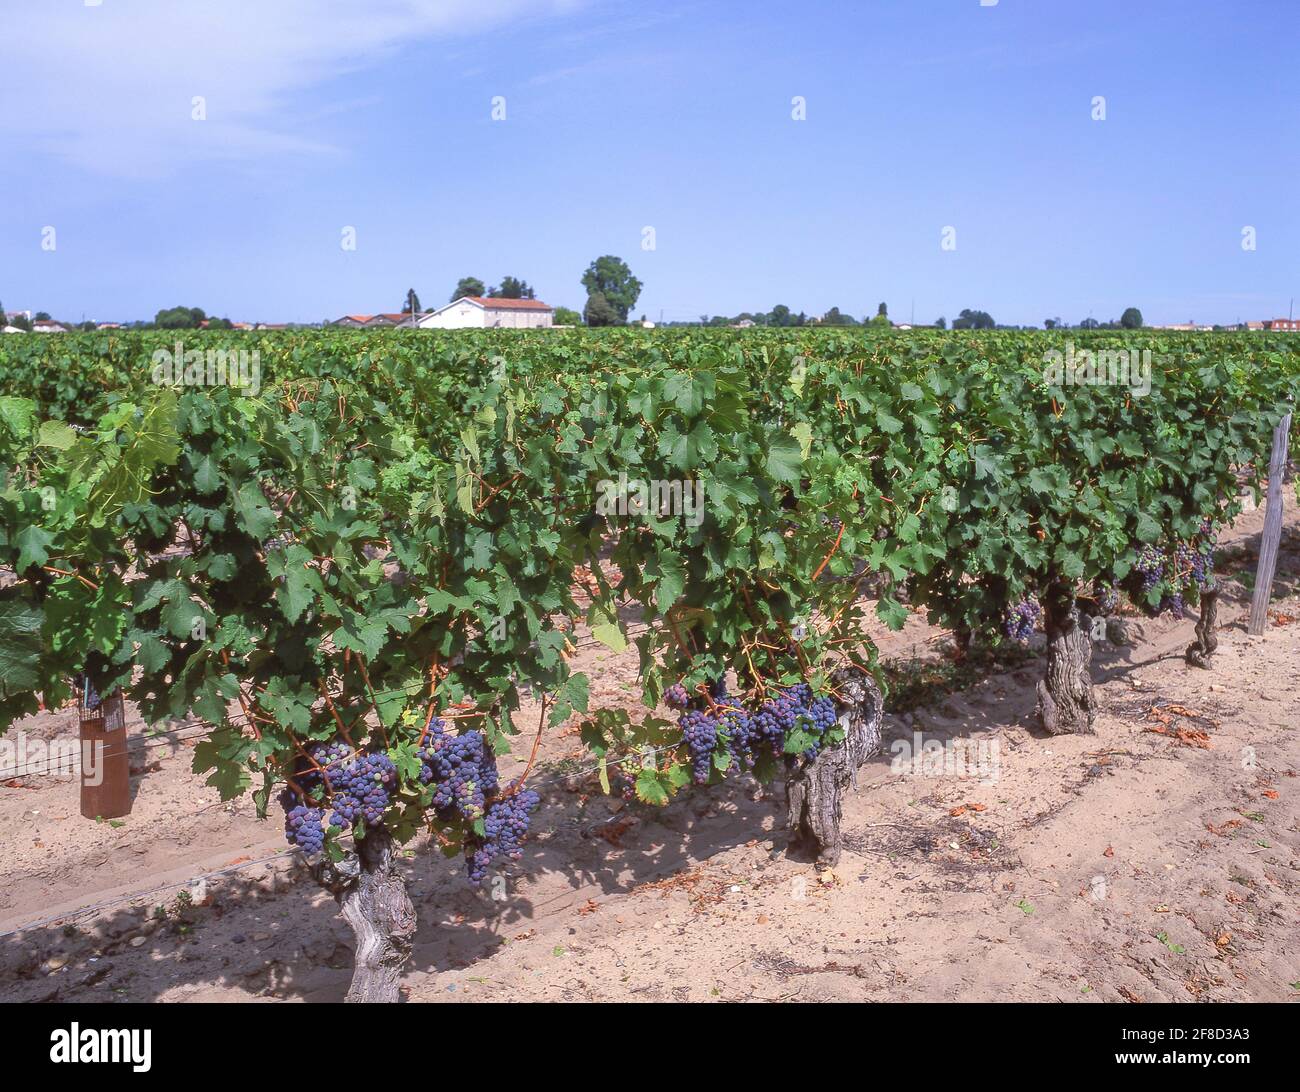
[[1188, 737]]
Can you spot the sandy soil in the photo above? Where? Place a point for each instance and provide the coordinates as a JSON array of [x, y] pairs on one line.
[[1155, 860]]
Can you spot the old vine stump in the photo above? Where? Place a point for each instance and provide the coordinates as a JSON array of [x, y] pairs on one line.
[[372, 894], [1066, 702], [1199, 651], [814, 790]]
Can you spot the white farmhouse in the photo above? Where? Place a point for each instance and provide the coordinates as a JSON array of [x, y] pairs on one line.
[[484, 312]]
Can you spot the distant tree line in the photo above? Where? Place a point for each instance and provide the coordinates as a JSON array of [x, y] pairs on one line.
[[187, 318], [781, 315], [1131, 319], [510, 288]]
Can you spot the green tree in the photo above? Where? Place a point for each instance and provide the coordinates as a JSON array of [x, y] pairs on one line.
[[610, 278], [179, 318], [1131, 319], [512, 288], [600, 312], [43, 316], [567, 316], [941, 323], [3, 320], [412, 305], [973, 320], [1089, 323], [882, 311], [468, 286]]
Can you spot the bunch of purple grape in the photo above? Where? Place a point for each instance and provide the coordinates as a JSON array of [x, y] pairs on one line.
[[1106, 597], [1203, 556], [462, 768], [623, 781], [749, 735], [504, 826], [1172, 604], [1150, 566], [677, 697], [362, 790], [1021, 620], [794, 708], [304, 828], [700, 729], [766, 731], [1189, 569], [358, 788], [326, 757]]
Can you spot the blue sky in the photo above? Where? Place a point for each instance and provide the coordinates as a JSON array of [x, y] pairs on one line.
[[325, 114]]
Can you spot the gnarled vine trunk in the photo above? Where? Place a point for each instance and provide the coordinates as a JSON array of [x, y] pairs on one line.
[[1066, 702], [814, 790], [1199, 651], [372, 894]]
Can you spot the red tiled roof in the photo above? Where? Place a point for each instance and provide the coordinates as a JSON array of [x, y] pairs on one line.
[[496, 304]]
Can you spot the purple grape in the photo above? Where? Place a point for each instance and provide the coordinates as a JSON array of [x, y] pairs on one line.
[[505, 823], [1021, 620], [304, 828]]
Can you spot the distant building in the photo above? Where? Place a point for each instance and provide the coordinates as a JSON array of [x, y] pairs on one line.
[[485, 312], [48, 326], [1282, 324]]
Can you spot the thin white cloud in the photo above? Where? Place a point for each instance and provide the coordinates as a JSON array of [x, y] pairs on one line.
[[110, 87]]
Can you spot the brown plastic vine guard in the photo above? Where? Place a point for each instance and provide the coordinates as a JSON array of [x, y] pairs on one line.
[[105, 764]]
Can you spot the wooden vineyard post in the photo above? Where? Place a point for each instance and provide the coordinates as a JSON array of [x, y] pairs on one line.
[[1272, 534], [105, 765]]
